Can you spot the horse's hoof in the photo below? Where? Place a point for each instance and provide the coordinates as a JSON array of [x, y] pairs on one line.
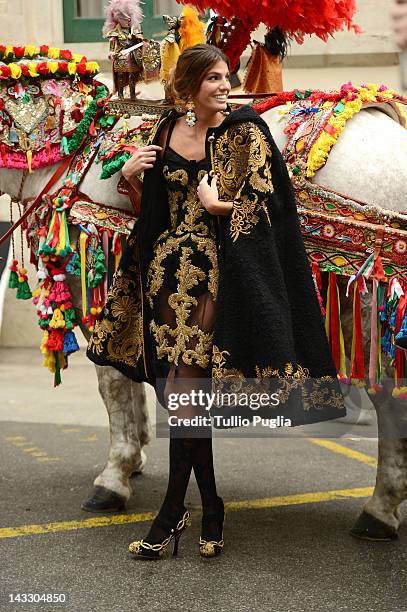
[[367, 527], [103, 500], [140, 468]]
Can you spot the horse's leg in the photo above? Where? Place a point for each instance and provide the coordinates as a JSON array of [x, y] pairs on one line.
[[380, 517], [126, 406], [125, 402], [142, 421]]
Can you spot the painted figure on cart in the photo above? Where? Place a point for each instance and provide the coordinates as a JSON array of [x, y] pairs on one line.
[[123, 29]]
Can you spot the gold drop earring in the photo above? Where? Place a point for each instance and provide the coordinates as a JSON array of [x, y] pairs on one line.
[[191, 117]]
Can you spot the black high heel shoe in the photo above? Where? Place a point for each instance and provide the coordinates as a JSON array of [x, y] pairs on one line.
[[144, 550], [211, 522]]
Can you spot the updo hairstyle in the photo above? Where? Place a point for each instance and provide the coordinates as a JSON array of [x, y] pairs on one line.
[[192, 66]]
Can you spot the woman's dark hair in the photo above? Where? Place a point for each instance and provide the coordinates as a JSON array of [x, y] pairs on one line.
[[192, 66]]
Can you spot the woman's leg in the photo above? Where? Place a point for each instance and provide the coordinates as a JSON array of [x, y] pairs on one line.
[[202, 457], [172, 509], [187, 449]]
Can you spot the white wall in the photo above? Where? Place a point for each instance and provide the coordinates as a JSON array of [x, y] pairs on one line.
[[373, 18], [18, 319], [31, 21]]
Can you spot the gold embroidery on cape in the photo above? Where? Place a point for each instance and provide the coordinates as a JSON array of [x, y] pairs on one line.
[[243, 159], [218, 366], [232, 159], [244, 217], [122, 336], [314, 393]]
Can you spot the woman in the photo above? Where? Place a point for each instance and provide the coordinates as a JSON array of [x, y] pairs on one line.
[[214, 282]]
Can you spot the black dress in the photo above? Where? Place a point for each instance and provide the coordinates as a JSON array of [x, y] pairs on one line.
[[182, 280]]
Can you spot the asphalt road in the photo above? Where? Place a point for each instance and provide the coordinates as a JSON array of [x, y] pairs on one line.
[[291, 503]]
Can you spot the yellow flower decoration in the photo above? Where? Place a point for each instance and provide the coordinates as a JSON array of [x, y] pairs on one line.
[[53, 52], [77, 57], [9, 49], [15, 71], [72, 68], [53, 67], [369, 93], [32, 69], [92, 66], [30, 50], [402, 112]]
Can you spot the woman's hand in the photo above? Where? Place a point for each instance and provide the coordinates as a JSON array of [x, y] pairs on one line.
[[143, 159], [209, 197]]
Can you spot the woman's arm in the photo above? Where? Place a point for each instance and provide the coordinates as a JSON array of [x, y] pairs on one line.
[[135, 182], [143, 159], [209, 197]]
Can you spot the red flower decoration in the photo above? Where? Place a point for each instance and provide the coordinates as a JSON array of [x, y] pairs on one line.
[[77, 114], [81, 68], [1, 103], [44, 49], [5, 72], [42, 68], [65, 54], [63, 66], [2, 50], [24, 70], [18, 52]]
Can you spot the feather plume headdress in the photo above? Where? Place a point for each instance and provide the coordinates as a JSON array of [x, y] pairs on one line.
[[127, 8], [296, 18], [184, 31]]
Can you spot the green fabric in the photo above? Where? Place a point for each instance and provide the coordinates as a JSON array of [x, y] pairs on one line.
[[114, 164], [73, 143], [13, 280], [23, 291]]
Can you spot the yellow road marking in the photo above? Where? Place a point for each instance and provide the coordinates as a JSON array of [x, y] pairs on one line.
[[90, 438], [34, 451], [301, 498], [122, 519], [100, 521], [343, 450], [18, 442], [48, 459], [71, 429]]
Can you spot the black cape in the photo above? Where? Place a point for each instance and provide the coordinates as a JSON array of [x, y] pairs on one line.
[[269, 332]]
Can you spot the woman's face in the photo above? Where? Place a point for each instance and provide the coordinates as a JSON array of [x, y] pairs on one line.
[[215, 88]]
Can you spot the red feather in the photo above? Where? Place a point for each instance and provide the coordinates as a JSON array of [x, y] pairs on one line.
[[297, 18]]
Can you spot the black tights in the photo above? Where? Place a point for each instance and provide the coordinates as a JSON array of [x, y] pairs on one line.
[[187, 453]]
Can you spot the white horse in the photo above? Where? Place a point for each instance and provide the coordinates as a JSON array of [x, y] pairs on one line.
[[125, 401], [368, 163]]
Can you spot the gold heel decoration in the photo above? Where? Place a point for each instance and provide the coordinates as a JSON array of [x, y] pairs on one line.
[[144, 550], [211, 548]]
